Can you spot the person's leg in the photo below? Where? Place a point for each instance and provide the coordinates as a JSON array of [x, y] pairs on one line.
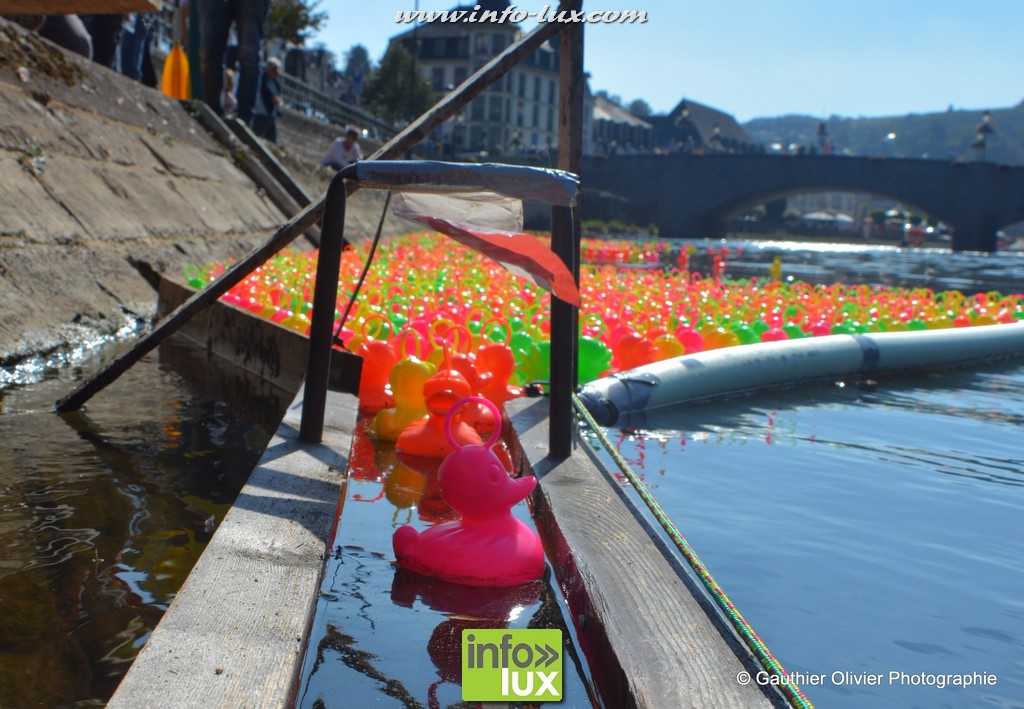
[[106, 34], [130, 51], [249, 18], [69, 32], [261, 125], [214, 22]]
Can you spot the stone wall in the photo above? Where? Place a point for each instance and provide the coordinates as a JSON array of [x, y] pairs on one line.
[[104, 183]]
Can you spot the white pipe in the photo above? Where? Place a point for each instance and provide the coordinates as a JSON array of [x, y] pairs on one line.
[[745, 368]]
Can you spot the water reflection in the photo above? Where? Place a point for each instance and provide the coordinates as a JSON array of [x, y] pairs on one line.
[[104, 512], [381, 632], [863, 526]]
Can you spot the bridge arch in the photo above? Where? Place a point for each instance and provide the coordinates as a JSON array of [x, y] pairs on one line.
[[692, 195]]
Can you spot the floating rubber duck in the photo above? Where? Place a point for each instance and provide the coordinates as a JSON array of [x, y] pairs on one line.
[[378, 361], [495, 365], [407, 379], [488, 546], [428, 437]]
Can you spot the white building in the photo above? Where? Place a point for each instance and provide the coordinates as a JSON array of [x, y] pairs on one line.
[[518, 114]]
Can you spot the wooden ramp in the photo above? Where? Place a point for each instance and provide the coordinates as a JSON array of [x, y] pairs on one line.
[[235, 634]]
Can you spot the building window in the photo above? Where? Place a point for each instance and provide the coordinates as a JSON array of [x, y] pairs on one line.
[[476, 109], [495, 109], [437, 76], [536, 88], [552, 90], [460, 74], [551, 120], [481, 45], [522, 86], [536, 116]]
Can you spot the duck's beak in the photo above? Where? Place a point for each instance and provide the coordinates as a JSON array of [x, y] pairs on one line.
[[519, 489]]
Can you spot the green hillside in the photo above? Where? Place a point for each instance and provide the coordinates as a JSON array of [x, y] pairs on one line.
[[931, 135]]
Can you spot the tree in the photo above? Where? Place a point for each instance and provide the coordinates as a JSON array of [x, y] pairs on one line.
[[357, 62], [639, 108], [293, 20], [396, 91]]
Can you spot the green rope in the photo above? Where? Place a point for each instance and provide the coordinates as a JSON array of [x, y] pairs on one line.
[[756, 645]]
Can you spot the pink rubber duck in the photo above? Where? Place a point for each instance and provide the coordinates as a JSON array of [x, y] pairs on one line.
[[488, 546]]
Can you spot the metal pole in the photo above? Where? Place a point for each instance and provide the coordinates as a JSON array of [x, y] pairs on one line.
[[565, 237], [194, 38], [325, 296]]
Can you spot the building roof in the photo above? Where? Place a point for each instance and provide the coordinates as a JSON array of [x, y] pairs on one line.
[[705, 118], [691, 117], [605, 110]]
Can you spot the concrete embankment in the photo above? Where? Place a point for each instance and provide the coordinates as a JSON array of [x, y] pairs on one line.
[[105, 183]]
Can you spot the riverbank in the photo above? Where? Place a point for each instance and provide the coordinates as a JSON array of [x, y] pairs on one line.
[[104, 185]]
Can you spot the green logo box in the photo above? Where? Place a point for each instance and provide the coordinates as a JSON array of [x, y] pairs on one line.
[[511, 665]]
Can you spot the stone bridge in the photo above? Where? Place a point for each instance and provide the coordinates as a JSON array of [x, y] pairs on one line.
[[692, 196]]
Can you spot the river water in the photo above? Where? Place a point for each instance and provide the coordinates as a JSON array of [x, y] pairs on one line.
[[104, 512], [871, 531]]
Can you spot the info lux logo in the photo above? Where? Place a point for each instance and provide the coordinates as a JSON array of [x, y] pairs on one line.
[[511, 664]]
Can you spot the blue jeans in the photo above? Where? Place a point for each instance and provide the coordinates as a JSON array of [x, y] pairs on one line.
[[215, 17], [134, 44]]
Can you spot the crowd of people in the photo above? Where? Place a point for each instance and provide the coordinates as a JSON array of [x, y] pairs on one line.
[[229, 34]]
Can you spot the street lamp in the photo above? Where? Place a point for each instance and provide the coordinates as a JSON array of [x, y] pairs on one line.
[[981, 139]]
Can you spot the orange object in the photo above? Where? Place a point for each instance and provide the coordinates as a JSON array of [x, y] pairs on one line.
[[176, 81], [426, 438], [378, 361], [495, 365]]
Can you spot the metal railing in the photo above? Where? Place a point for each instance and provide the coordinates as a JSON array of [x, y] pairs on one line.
[[302, 97]]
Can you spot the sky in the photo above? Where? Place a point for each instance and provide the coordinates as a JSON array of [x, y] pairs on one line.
[[759, 58]]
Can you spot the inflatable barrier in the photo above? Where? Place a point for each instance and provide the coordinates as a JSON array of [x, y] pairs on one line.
[[735, 370]]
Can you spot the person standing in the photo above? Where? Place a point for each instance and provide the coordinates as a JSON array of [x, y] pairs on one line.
[[268, 102], [215, 18]]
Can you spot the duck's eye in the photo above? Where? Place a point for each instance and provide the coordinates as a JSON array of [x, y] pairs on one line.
[[494, 473]]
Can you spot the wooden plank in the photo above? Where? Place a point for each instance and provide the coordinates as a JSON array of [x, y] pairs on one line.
[[166, 327], [252, 161], [270, 161], [81, 7], [263, 348], [235, 634], [650, 634]]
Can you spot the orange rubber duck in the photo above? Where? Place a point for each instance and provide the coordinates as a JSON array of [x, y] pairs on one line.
[[426, 437]]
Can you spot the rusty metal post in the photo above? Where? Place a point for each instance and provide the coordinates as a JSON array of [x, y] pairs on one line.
[[565, 237], [325, 297]]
